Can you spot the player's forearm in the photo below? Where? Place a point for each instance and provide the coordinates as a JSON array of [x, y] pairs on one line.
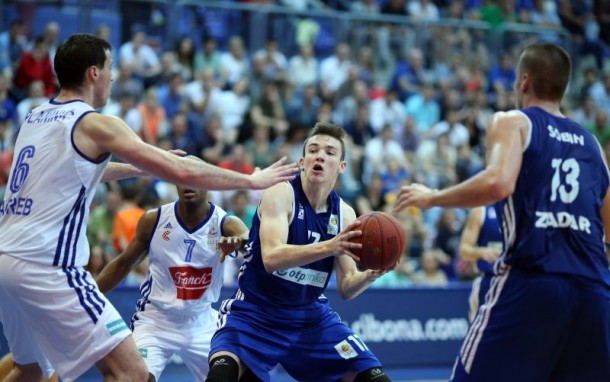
[[469, 252], [118, 171], [112, 275], [289, 256], [352, 286], [485, 188]]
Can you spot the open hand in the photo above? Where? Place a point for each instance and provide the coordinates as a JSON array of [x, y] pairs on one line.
[[416, 195], [276, 173], [228, 245]]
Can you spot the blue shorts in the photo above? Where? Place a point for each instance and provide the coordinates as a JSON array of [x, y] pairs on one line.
[[322, 350], [536, 327]]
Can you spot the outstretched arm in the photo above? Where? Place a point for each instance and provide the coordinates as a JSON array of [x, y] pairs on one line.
[[506, 137], [99, 134], [136, 251], [275, 211]]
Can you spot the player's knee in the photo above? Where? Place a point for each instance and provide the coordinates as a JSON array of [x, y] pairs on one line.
[[374, 374], [223, 369]]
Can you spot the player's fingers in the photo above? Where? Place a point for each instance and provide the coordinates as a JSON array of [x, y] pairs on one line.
[[351, 234], [352, 225], [278, 162], [350, 254]]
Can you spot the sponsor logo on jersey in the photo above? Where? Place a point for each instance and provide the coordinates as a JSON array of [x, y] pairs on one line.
[[303, 276], [191, 283], [143, 353], [333, 225], [165, 235], [562, 220], [345, 350], [301, 214], [116, 326], [168, 226]]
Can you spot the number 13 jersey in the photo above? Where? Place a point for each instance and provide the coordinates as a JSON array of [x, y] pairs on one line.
[[552, 222]]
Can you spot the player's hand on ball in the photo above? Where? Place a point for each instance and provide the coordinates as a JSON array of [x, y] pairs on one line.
[[341, 244], [413, 195], [228, 245]]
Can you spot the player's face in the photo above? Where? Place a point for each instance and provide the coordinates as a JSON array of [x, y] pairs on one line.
[[190, 195], [102, 86], [322, 161]]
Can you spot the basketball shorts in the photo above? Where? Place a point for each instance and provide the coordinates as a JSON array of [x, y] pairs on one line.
[[480, 286], [538, 327], [324, 350], [159, 335], [58, 314]]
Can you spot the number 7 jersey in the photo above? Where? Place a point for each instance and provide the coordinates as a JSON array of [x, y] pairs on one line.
[[552, 222], [185, 274]]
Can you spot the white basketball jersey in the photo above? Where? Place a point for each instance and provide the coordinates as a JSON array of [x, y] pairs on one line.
[[51, 184], [185, 273]]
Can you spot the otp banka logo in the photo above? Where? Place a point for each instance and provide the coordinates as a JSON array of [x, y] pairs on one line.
[[303, 276]]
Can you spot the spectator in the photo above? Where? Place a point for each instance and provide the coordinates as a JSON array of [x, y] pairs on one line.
[[143, 60], [181, 136], [585, 114], [304, 110], [125, 109], [171, 95], [388, 111], [127, 82], [424, 109], [379, 151], [275, 61], [13, 44], [269, 111], [209, 57], [35, 97], [101, 220], [35, 66], [601, 127], [234, 105], [259, 147], [154, 120], [600, 92], [303, 68], [238, 160], [334, 70], [457, 133], [430, 273], [185, 56], [409, 75], [235, 61], [50, 35]]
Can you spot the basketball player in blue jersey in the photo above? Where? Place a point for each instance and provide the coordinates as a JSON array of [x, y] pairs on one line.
[[52, 311], [546, 316], [481, 243], [174, 315], [278, 315]]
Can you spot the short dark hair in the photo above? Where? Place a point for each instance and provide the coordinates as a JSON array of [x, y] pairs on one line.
[[550, 68], [327, 128], [75, 55]]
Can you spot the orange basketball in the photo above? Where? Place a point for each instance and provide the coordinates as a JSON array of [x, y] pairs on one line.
[[383, 241]]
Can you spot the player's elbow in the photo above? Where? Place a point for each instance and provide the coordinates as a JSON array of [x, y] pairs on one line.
[[270, 265], [499, 187]]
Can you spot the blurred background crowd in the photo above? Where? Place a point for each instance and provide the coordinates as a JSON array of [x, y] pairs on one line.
[[240, 83]]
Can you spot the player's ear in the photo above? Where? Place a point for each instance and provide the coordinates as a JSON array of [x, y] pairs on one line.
[[302, 164], [342, 167]]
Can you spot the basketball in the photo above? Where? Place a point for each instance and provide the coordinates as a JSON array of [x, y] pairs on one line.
[[383, 241]]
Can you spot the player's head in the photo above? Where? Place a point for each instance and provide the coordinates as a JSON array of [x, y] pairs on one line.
[[324, 151], [82, 59], [191, 196], [543, 73]]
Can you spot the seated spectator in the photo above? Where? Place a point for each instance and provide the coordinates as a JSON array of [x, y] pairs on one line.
[[34, 98], [430, 272], [238, 160], [275, 63], [126, 81], [208, 57], [35, 66], [303, 68], [234, 63], [13, 43], [154, 120], [234, 105], [125, 109], [141, 57]]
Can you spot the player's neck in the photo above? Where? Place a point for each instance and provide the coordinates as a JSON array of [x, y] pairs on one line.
[[551, 107], [66, 95], [193, 215], [317, 195]]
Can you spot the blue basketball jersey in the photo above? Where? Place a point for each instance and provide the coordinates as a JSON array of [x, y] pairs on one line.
[[552, 222], [490, 235], [298, 287]]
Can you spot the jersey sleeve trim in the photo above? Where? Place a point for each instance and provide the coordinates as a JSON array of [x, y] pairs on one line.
[[528, 138], [76, 148]]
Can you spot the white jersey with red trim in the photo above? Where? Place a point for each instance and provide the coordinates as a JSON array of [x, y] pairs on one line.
[[185, 274]]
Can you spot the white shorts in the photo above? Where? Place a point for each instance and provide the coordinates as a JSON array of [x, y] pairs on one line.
[[159, 335], [56, 314]]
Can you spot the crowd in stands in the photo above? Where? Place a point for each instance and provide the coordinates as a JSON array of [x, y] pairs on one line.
[[414, 111]]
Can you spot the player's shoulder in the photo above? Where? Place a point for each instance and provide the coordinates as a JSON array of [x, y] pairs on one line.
[[509, 116], [348, 212]]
